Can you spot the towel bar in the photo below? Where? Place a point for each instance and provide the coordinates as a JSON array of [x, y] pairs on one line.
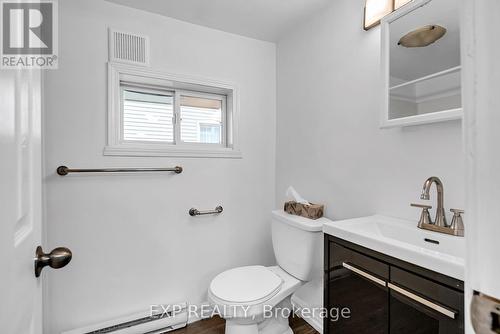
[[63, 170]]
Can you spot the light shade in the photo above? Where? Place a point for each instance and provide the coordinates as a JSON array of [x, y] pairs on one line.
[[376, 10], [422, 37]]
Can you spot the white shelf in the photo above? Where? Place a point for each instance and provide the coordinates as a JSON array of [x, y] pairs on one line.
[[430, 76]]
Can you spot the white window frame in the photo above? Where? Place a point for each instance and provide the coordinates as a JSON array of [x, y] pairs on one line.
[[134, 76]]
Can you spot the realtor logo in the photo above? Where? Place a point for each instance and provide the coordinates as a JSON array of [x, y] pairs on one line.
[[29, 34]]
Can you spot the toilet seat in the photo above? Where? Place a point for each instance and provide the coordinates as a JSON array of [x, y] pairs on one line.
[[246, 285]]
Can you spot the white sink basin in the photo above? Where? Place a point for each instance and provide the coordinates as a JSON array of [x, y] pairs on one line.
[[403, 240]]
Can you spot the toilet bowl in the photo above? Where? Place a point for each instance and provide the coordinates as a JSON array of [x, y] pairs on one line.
[[256, 299]]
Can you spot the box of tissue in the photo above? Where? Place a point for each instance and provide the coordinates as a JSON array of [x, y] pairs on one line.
[[311, 211]]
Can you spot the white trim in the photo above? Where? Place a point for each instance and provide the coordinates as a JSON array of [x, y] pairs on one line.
[[435, 117], [115, 146], [469, 29], [145, 150], [385, 121]]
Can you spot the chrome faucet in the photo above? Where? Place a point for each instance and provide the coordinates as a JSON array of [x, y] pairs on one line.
[[440, 216], [439, 225]]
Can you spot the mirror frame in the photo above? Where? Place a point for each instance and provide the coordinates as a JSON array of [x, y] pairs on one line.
[[386, 122]]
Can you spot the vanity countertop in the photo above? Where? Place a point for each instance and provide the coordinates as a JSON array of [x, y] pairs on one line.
[[402, 239]]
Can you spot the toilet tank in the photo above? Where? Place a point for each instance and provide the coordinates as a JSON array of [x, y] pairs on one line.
[[298, 244]]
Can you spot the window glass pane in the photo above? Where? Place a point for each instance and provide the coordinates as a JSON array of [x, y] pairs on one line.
[[399, 3], [210, 133], [375, 10], [201, 120], [147, 117]]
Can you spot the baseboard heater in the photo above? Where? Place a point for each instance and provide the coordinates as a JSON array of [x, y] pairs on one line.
[[139, 323]]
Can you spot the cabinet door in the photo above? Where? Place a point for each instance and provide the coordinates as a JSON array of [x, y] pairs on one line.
[[418, 317], [410, 318], [363, 292], [420, 306]]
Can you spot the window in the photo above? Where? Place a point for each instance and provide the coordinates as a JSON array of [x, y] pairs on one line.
[[375, 10], [147, 115], [399, 3], [154, 114], [201, 119]]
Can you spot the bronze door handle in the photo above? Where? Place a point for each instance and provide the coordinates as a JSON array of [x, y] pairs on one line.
[[58, 258]]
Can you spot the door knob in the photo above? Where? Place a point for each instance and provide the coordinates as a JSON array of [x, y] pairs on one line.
[[58, 258]]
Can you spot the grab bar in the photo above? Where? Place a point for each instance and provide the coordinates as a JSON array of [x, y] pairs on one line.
[[63, 170], [195, 212]]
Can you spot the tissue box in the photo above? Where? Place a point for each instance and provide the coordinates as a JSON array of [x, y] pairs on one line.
[[312, 211]]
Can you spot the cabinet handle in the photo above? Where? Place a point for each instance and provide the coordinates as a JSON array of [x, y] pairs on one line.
[[423, 301], [364, 274]]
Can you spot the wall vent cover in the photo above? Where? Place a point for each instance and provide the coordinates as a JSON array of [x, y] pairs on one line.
[[128, 48]]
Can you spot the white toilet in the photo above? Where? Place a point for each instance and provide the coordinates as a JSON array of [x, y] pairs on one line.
[[247, 296]]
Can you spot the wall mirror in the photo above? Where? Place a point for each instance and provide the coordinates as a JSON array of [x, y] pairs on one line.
[[421, 63]]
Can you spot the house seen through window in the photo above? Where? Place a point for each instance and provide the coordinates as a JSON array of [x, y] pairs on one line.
[[151, 115]]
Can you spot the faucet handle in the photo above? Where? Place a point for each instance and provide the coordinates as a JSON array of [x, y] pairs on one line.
[[457, 223], [425, 217], [422, 206]]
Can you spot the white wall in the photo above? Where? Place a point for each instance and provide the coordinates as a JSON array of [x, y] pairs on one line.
[[132, 239], [329, 144]]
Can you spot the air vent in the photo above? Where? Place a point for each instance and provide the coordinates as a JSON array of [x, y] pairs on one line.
[[128, 48]]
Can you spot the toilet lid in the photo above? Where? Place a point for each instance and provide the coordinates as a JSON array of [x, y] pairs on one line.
[[246, 284]]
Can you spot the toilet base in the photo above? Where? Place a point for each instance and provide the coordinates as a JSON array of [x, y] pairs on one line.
[[278, 324], [236, 328], [232, 327]]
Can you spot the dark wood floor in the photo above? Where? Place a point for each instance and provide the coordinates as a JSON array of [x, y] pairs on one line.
[[299, 326], [215, 325]]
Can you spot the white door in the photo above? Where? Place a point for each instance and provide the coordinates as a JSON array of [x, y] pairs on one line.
[[483, 148], [20, 201], [481, 82], [483, 145]]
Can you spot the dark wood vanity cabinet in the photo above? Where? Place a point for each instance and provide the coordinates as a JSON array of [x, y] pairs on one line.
[[353, 287], [369, 292]]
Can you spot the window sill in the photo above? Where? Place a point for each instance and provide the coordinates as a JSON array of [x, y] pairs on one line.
[[185, 152]]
